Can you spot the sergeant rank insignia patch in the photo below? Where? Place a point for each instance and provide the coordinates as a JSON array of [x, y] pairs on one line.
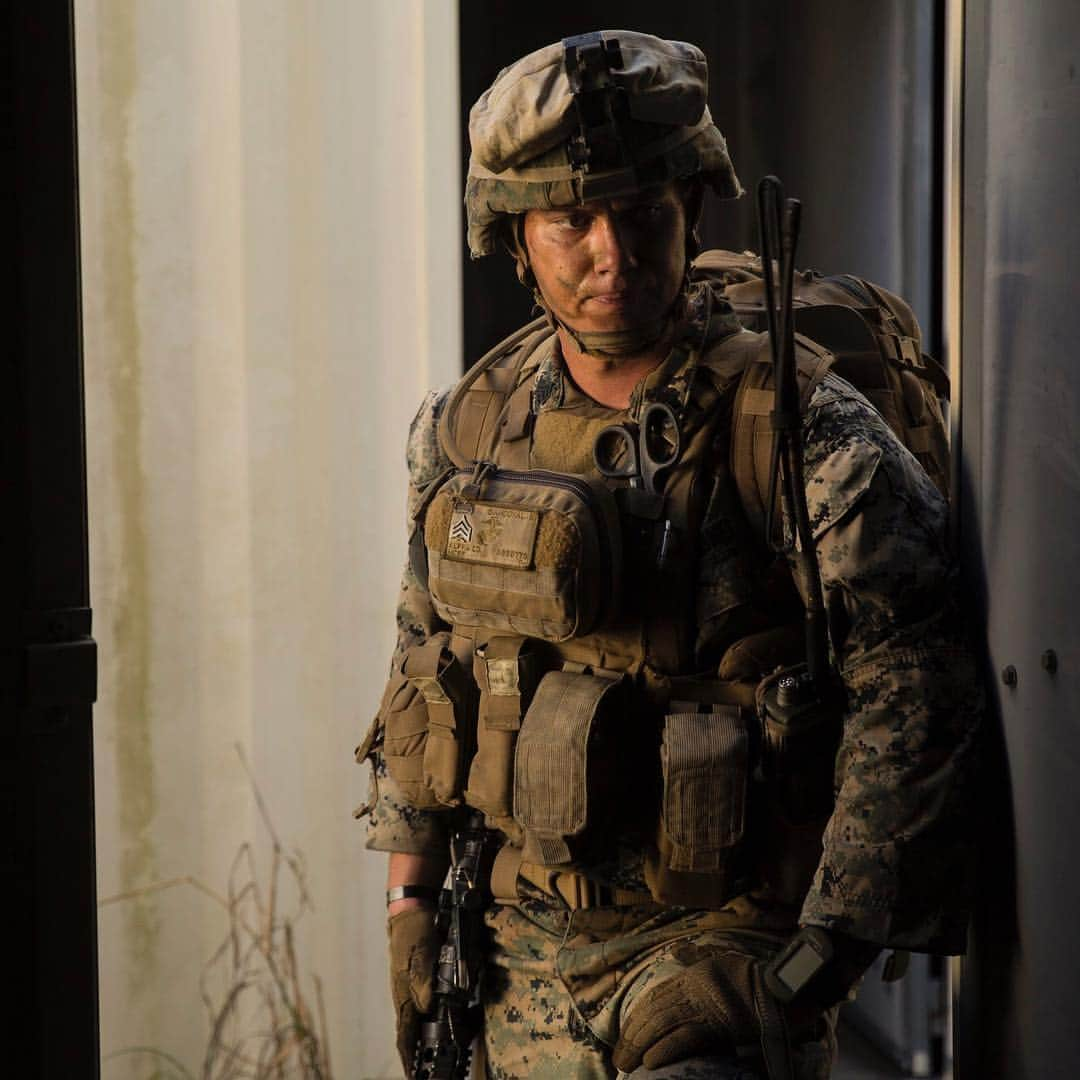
[[461, 525], [494, 535]]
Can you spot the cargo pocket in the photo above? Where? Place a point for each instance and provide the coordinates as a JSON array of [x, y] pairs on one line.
[[505, 672], [554, 785]]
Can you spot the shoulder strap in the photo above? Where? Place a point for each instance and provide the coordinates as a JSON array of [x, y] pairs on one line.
[[751, 429], [478, 399]]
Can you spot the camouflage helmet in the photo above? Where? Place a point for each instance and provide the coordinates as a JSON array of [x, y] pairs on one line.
[[598, 116]]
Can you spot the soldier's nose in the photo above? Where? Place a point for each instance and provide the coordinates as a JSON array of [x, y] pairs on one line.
[[612, 250]]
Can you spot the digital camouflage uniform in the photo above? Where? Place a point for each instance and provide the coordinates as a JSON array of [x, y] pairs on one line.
[[559, 980], [602, 117]]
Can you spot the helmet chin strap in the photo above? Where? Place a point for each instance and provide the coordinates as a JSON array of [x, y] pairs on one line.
[[629, 342], [614, 343]]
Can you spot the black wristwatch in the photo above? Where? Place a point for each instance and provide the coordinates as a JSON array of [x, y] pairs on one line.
[[800, 960]]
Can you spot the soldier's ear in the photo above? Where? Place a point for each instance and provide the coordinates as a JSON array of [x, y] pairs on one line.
[[692, 192], [693, 245], [512, 235]]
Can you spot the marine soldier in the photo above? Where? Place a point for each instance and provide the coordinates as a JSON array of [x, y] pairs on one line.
[[590, 629]]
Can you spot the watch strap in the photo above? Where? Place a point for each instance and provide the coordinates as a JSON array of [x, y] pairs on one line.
[[409, 892]]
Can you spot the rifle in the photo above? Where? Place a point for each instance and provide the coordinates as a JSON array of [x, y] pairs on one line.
[[444, 1048]]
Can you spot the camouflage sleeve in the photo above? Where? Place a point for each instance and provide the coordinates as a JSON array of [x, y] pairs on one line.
[[394, 825], [416, 619], [892, 869]]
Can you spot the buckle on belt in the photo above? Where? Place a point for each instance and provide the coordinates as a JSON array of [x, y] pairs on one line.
[[582, 893]]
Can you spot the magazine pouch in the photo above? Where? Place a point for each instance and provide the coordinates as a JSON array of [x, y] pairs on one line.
[[560, 783]]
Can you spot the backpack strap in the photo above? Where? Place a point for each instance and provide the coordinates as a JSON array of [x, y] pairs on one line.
[[469, 420], [901, 329], [752, 430], [901, 381]]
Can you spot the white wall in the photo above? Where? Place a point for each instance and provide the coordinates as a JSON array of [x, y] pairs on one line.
[[271, 244]]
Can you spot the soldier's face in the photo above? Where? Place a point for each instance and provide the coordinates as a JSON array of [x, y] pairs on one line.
[[610, 264]]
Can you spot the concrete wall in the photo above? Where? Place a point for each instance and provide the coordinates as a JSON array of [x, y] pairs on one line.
[[271, 279]]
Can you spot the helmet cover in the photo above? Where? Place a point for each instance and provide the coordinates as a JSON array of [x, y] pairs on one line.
[[599, 116]]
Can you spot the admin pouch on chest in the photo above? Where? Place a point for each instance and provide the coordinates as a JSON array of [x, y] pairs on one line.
[[562, 582], [529, 553], [873, 341]]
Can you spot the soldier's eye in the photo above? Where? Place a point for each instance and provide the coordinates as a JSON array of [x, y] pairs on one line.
[[576, 221], [647, 213]]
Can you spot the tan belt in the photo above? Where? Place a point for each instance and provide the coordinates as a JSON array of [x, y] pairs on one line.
[[577, 891], [581, 892]]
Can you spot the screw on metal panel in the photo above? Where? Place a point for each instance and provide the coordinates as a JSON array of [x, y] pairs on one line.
[[1049, 662], [1009, 676]]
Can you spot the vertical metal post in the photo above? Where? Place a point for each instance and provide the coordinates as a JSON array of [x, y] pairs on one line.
[[952, 339], [952, 270], [47, 657]]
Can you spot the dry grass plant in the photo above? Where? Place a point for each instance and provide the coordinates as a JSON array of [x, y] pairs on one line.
[[263, 1025]]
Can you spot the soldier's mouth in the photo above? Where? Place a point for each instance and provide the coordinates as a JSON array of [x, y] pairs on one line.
[[617, 299]]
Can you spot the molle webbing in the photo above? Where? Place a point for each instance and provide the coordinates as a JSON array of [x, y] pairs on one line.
[[468, 425], [752, 429]]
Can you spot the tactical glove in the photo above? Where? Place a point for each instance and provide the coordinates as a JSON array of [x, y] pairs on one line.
[[714, 1004], [721, 1002], [414, 949]]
